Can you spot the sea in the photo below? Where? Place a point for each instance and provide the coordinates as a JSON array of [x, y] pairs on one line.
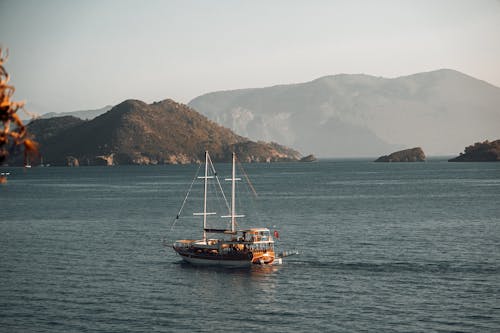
[[382, 247]]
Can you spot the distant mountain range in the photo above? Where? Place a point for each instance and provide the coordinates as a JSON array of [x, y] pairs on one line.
[[82, 114], [360, 115], [356, 115], [134, 132]]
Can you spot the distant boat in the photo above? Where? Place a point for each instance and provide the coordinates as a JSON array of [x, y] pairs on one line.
[[3, 177], [27, 164], [228, 247], [42, 164]]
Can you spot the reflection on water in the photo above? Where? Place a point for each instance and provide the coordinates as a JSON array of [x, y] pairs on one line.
[[257, 283]]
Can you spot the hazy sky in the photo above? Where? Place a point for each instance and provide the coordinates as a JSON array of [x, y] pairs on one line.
[[73, 55]]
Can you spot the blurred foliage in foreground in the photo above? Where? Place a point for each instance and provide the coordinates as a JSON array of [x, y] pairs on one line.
[[13, 134]]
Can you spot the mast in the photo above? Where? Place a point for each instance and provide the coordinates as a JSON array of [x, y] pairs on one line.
[[205, 198], [233, 194], [233, 180], [206, 177]]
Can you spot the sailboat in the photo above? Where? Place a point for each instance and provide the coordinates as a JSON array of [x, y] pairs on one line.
[[230, 246]]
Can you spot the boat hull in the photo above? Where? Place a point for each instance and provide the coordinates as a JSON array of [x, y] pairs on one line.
[[224, 260], [198, 261]]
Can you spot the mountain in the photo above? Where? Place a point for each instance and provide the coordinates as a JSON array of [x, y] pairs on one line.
[[480, 152], [134, 132], [82, 114], [45, 129], [350, 115], [406, 155]]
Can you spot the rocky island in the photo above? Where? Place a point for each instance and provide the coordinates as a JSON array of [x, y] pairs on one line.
[[134, 132], [480, 152], [407, 155], [308, 158]]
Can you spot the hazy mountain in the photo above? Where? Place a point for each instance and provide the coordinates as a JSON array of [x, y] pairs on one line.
[[362, 115], [82, 114], [134, 132]]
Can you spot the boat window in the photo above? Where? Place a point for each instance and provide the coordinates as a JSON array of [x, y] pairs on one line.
[[264, 235], [261, 247]]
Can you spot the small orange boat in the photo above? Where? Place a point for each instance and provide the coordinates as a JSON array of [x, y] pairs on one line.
[[227, 247], [3, 177]]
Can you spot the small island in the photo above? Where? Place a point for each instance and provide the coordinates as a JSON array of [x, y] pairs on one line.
[[480, 152], [308, 158], [407, 155]]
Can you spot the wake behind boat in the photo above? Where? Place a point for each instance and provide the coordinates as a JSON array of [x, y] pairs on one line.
[[227, 247]]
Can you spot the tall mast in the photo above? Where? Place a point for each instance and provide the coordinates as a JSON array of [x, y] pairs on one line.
[[233, 180], [205, 198], [233, 194], [205, 213]]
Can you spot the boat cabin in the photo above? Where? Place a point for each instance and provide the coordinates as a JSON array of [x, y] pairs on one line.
[[257, 235]]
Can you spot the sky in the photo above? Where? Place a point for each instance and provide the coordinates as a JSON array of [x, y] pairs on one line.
[[78, 55]]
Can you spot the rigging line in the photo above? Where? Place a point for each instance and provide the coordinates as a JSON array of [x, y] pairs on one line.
[[248, 179], [253, 197], [218, 182], [239, 203], [218, 200], [220, 204], [185, 199], [252, 203]]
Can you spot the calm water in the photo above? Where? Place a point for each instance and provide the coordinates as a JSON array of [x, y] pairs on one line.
[[383, 248]]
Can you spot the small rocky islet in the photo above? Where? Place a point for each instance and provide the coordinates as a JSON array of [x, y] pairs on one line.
[[407, 155]]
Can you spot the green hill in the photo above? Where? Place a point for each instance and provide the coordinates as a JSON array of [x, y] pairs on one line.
[[134, 132]]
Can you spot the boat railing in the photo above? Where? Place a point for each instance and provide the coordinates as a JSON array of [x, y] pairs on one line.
[[261, 246], [185, 243]]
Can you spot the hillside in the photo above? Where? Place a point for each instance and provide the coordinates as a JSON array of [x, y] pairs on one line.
[[361, 115], [480, 152], [44, 129], [134, 132], [82, 114]]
